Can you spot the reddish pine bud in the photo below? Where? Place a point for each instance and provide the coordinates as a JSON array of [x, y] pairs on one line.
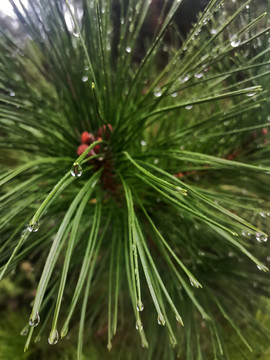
[[105, 131], [97, 147], [87, 138], [81, 149]]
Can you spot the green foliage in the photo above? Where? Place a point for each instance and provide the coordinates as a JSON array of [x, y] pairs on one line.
[[167, 211]]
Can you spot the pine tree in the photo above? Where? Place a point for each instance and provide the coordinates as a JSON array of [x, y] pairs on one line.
[[135, 176]]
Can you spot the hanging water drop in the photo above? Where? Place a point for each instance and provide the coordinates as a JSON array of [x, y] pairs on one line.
[[76, 170], [161, 320], [178, 319], [156, 161], [263, 215], [213, 31], [128, 49], [53, 337], [76, 34], [194, 282], [234, 41], [84, 78], [33, 227], [143, 143], [12, 93], [184, 79], [157, 93], [34, 320], [139, 306], [188, 107], [174, 94], [198, 76], [251, 94], [25, 330], [139, 325], [261, 237], [246, 233]]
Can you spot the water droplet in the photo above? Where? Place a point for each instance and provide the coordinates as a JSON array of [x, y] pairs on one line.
[[128, 49], [109, 346], [84, 78], [263, 215], [161, 320], [174, 94], [139, 306], [76, 34], [268, 258], [188, 107], [246, 233], [156, 161], [33, 227], [53, 337], [25, 330], [194, 282], [251, 94], [261, 237], [143, 143], [157, 93], [198, 76], [178, 319], [76, 170], [12, 93], [35, 320], [213, 31], [139, 325], [234, 41], [259, 267], [184, 78]]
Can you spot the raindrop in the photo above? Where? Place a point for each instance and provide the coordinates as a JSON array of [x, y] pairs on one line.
[[161, 320], [156, 161], [143, 143], [213, 31], [76, 34], [109, 346], [34, 321], [12, 93], [157, 93], [251, 94], [234, 41], [260, 267], [25, 330], [198, 76], [184, 78], [139, 325], [33, 227], [178, 319], [261, 237], [262, 215], [188, 107], [53, 337], [84, 78], [128, 49], [76, 170], [194, 283], [174, 94], [246, 233], [139, 306]]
